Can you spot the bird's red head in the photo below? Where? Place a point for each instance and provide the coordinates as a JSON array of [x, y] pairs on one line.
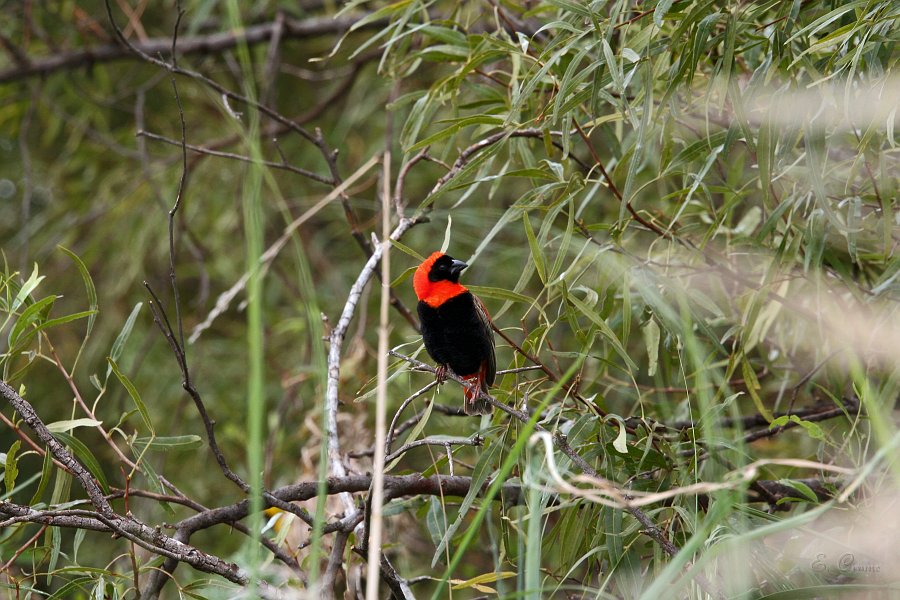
[[437, 279]]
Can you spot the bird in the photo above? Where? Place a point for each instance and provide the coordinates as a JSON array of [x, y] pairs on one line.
[[456, 329]]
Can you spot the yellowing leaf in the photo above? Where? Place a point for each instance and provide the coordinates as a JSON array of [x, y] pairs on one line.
[[476, 582]]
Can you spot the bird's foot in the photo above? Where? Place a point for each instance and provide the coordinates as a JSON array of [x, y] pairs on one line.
[[440, 373]]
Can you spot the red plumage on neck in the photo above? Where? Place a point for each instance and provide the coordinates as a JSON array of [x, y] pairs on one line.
[[434, 293]]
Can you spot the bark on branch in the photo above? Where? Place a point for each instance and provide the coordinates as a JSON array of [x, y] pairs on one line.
[[291, 28]]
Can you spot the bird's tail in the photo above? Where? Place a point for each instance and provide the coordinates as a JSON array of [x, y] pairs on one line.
[[475, 392]]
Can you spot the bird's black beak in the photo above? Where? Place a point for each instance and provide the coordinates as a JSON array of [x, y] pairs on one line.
[[456, 267]]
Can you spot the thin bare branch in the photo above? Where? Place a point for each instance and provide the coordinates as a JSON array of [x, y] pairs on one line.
[[213, 43]]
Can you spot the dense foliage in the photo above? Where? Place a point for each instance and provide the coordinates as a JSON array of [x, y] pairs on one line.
[[682, 216]]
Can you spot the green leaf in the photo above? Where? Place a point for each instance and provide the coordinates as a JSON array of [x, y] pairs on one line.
[[34, 314], [67, 319], [85, 456], [454, 129], [119, 345], [499, 294], [29, 286], [435, 521], [88, 286], [79, 584], [605, 330], [753, 386], [403, 276], [536, 254], [811, 428], [662, 8], [11, 468], [407, 250], [651, 341], [135, 396], [69, 425], [806, 492], [166, 443], [46, 473], [446, 243]]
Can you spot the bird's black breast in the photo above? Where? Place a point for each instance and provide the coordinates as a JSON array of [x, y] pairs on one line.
[[454, 334]]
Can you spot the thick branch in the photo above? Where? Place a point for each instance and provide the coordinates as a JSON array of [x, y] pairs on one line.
[[395, 486]]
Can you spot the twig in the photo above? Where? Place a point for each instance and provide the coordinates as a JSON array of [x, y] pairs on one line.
[[612, 187], [464, 156], [226, 94], [818, 412], [446, 443], [200, 44], [284, 166], [534, 359], [162, 321], [390, 433], [4, 568], [71, 382], [401, 179]]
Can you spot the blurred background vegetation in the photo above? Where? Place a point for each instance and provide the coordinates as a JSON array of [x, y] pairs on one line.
[[685, 211]]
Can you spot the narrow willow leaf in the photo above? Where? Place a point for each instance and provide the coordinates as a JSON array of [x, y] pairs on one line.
[[446, 242], [478, 581], [536, 254], [166, 443], [753, 387], [403, 276], [651, 341], [435, 522], [86, 457], [33, 315], [69, 425], [407, 250], [119, 345], [67, 319], [11, 467], [55, 538], [801, 487], [88, 286], [29, 286], [662, 8], [499, 294], [46, 474], [133, 392], [71, 588], [76, 543], [605, 330]]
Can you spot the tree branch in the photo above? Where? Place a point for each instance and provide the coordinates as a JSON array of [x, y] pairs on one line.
[[201, 44]]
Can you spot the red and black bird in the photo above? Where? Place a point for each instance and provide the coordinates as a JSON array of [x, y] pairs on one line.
[[456, 328]]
